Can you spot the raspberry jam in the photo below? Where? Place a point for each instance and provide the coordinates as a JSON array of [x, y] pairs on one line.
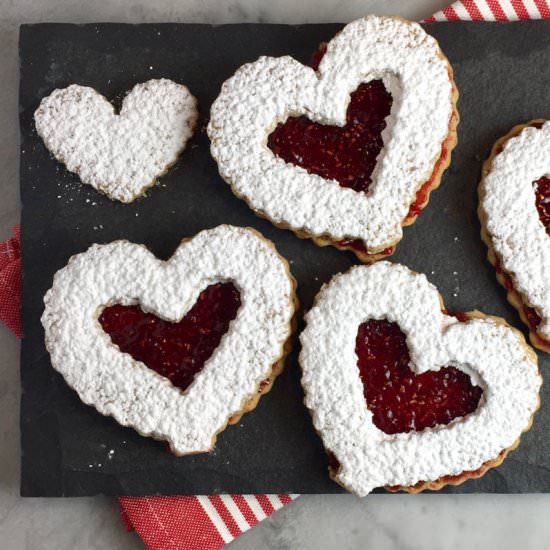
[[542, 200], [346, 154], [423, 193], [399, 399], [358, 245], [177, 351], [533, 318], [460, 315]]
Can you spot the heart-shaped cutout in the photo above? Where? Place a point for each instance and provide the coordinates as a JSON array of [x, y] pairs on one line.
[[121, 154], [445, 448], [106, 280], [177, 351], [401, 400], [346, 153], [514, 210], [542, 201], [420, 132]]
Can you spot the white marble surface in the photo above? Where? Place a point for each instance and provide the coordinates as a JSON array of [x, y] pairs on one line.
[[426, 522]]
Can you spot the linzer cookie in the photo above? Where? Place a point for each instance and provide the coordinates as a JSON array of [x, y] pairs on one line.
[[514, 210], [123, 154], [346, 151], [176, 349], [406, 395]]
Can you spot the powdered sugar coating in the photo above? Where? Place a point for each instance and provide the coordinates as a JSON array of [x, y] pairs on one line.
[[122, 272], [512, 221], [494, 355], [261, 94], [120, 155]]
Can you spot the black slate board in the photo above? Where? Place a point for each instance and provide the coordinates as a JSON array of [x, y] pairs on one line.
[[503, 74]]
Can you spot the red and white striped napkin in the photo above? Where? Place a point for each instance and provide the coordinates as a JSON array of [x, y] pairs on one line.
[[196, 522], [210, 522], [492, 10]]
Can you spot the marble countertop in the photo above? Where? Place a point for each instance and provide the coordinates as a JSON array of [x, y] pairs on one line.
[[404, 522]]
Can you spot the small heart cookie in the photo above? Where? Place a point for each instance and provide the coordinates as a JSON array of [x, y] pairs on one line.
[[121, 154], [173, 349], [346, 152], [514, 210], [405, 395]]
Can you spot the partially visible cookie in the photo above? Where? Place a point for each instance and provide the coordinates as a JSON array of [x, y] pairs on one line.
[[347, 151], [514, 211], [123, 154]]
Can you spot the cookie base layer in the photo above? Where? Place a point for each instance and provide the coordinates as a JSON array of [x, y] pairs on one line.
[[459, 479], [512, 295]]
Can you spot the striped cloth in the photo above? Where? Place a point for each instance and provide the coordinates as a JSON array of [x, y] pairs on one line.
[[493, 10], [201, 522], [210, 522]]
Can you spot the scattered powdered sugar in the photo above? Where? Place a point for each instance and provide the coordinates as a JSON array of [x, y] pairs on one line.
[[122, 272], [493, 354], [120, 155], [512, 220], [261, 94]]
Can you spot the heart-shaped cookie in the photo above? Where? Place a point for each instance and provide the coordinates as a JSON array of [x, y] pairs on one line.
[[440, 402], [225, 298], [120, 154], [514, 210], [300, 144]]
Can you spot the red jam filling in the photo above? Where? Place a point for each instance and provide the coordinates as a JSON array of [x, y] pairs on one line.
[[318, 54], [399, 399], [346, 154], [358, 245], [542, 200], [533, 318], [460, 315], [424, 192], [177, 351]]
